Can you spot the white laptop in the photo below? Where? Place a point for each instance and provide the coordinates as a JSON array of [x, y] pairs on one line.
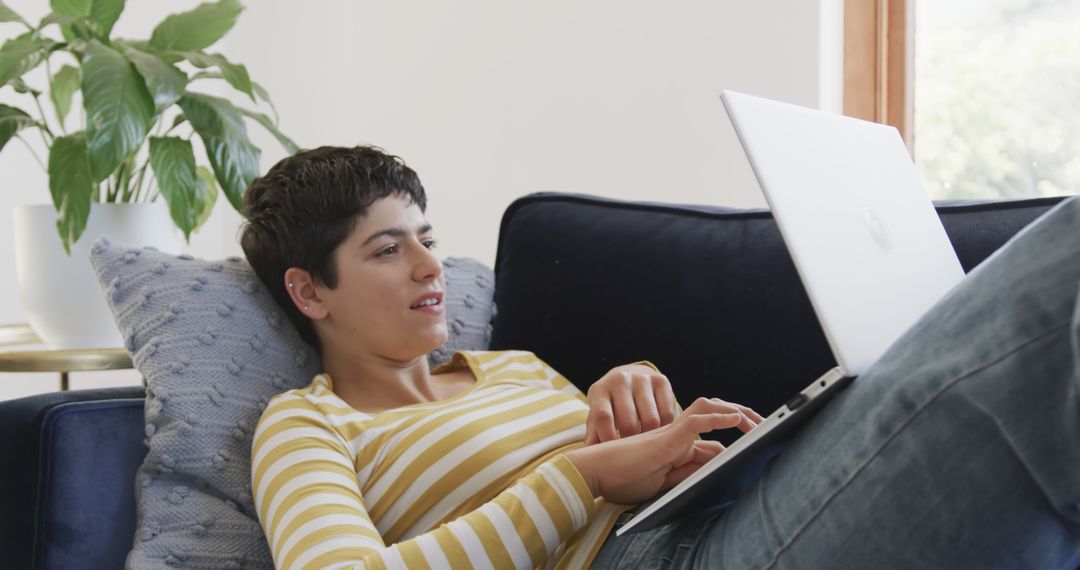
[[868, 246]]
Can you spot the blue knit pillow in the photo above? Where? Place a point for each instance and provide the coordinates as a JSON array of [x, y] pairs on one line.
[[213, 348]]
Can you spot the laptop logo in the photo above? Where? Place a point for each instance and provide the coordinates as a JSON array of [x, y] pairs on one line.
[[878, 230]]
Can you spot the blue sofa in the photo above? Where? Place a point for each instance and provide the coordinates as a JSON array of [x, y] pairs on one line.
[[708, 294]]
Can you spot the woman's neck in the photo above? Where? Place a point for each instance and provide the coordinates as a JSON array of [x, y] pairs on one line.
[[370, 382]]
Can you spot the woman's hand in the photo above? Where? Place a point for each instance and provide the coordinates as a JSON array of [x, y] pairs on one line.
[[634, 469], [628, 400]]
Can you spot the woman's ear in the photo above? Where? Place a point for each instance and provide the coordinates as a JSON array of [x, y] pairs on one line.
[[304, 293]]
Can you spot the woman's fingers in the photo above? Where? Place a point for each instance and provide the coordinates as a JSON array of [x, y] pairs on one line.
[[752, 414], [626, 414], [698, 423], [752, 419], [747, 424], [648, 414], [590, 431], [626, 403], [712, 405], [728, 416], [601, 420], [665, 399], [705, 450], [755, 418]]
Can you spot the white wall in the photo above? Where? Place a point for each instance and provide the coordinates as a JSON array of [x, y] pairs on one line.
[[489, 100]]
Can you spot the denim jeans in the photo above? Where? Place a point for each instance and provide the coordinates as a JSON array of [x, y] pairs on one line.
[[959, 448]]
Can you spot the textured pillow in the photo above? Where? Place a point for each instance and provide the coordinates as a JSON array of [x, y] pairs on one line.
[[470, 307], [213, 348]]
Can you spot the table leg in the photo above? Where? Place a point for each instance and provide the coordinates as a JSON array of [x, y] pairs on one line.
[[63, 381]]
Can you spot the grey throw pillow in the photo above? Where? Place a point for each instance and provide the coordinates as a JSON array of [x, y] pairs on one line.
[[213, 348]]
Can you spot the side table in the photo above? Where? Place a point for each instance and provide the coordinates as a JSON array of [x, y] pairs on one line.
[[46, 360]]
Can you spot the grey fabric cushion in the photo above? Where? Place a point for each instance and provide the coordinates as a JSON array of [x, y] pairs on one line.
[[213, 348], [470, 307]]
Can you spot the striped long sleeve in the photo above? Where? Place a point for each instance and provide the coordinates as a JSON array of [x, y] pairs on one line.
[[477, 481]]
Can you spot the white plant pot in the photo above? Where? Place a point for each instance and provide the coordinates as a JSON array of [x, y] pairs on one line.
[[61, 296]]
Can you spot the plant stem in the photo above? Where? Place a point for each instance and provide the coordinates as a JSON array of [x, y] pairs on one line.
[[123, 181], [44, 124], [117, 181], [48, 77], [35, 155], [139, 181]]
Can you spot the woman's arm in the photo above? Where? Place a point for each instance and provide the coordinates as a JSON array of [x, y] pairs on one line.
[[313, 513]]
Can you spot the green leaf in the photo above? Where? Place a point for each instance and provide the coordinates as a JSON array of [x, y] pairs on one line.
[[261, 92], [55, 18], [144, 46], [66, 30], [85, 29], [71, 186], [221, 126], [12, 120], [77, 46], [20, 86], [119, 109], [105, 13], [77, 11], [9, 15], [173, 162], [21, 54], [197, 29], [73, 8], [269, 125], [209, 193], [235, 73], [64, 84], [165, 82]]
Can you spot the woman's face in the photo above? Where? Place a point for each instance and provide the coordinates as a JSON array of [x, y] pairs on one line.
[[387, 278]]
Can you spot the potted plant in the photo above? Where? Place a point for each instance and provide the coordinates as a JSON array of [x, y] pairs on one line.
[[141, 113]]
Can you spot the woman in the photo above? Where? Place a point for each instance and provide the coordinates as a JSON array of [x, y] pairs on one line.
[[935, 457]]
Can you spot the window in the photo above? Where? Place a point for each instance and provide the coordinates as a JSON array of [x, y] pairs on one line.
[[997, 97], [986, 92]]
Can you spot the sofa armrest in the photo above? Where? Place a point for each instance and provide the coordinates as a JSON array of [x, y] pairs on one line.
[[70, 475]]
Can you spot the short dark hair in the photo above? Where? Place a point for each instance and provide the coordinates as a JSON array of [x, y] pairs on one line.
[[300, 211]]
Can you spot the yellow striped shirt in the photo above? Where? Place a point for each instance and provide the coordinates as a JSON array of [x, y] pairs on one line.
[[474, 481]]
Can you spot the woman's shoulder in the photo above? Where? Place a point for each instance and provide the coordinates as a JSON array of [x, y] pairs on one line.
[[320, 384], [316, 401]]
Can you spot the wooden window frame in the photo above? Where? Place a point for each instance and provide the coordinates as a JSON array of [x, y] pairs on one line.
[[879, 57]]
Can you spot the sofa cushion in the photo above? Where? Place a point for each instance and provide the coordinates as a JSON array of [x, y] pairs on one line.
[[72, 457], [213, 348], [710, 295]]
